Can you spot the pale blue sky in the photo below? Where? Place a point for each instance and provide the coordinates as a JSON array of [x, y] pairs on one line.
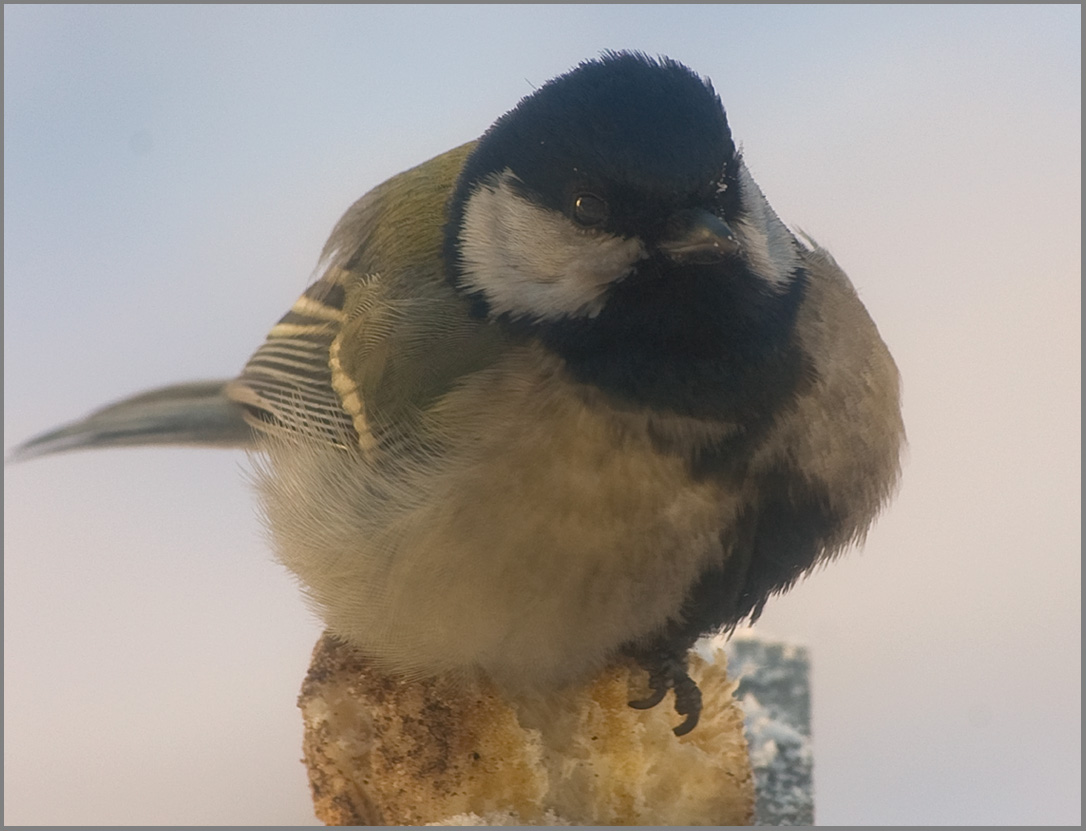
[[170, 176]]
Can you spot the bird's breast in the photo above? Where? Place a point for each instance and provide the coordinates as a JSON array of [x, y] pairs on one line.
[[547, 531]]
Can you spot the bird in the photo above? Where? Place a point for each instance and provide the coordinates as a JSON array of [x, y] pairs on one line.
[[568, 394]]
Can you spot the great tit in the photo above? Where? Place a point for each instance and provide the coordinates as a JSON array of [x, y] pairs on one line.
[[563, 395]]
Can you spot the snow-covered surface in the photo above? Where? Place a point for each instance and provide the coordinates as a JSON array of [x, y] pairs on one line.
[[774, 691]]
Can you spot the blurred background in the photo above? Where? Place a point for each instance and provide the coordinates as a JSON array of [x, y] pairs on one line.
[[170, 175]]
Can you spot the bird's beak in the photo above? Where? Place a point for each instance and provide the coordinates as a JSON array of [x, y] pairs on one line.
[[697, 236]]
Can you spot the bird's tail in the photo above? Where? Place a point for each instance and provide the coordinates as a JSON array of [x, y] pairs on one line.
[[194, 413]]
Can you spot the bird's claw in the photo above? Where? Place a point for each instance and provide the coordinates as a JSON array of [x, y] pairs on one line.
[[666, 672], [651, 700]]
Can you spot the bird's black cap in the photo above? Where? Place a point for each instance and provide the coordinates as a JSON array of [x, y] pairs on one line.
[[648, 135]]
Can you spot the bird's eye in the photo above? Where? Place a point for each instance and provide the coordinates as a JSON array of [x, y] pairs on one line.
[[589, 210]]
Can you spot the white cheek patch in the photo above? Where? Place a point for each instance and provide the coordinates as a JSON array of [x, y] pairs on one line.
[[528, 261], [768, 246]]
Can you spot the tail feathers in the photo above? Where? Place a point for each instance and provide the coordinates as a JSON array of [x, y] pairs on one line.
[[196, 413]]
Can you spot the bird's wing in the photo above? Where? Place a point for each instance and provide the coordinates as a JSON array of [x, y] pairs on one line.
[[359, 358], [381, 335], [287, 383]]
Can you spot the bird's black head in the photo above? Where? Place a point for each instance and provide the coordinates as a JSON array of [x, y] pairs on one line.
[[610, 216], [616, 145]]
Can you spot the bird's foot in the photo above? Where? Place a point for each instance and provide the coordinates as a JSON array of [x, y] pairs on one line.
[[668, 671]]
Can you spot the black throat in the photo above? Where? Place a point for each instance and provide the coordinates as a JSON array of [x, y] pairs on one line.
[[696, 341]]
